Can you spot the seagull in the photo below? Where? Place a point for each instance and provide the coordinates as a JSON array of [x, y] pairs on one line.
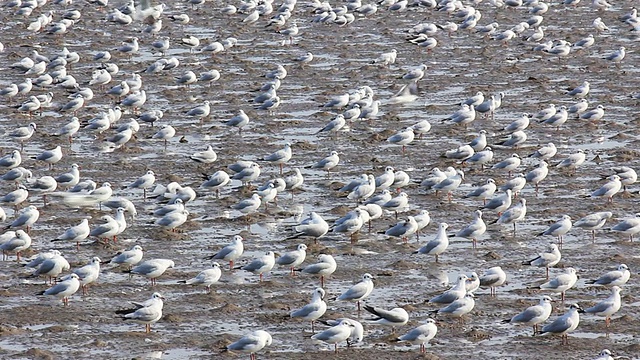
[[67, 287], [280, 157], [483, 192], [617, 277], [338, 333], [88, 274], [359, 291], [582, 90], [630, 226], [206, 277], [207, 156], [546, 152], [562, 283], [608, 306], [216, 181], [325, 266], [144, 182], [129, 257], [252, 343], [559, 228], [437, 245], [261, 264], [421, 334], [474, 230], [534, 315], [609, 189], [230, 252], [145, 313], [394, 317], [458, 291], [459, 308], [314, 226], [153, 269], [538, 174], [546, 259], [293, 258], [75, 233], [18, 242], [514, 214], [593, 114], [564, 324], [404, 138], [509, 164], [313, 310], [328, 162], [573, 160]]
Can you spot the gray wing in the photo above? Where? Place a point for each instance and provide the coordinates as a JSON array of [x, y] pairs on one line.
[[623, 226], [55, 290], [356, 291], [552, 228], [489, 279], [559, 325], [244, 343], [451, 308], [223, 253], [306, 310], [529, 314], [316, 268], [599, 307], [445, 298], [254, 265], [287, 259], [144, 314], [45, 267], [83, 272], [385, 314], [608, 278], [144, 269], [327, 334], [430, 246]]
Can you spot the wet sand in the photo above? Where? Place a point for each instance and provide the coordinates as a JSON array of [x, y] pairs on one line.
[[196, 325]]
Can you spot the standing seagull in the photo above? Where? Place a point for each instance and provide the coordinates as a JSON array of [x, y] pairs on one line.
[[437, 245], [252, 343], [608, 306], [546, 259], [325, 266], [88, 274], [562, 283], [564, 324], [421, 335], [593, 222], [280, 157], [617, 277], [394, 317], [144, 182], [514, 214], [206, 277], [534, 315], [313, 310], [336, 334], [630, 226], [473, 230], [609, 189], [145, 313], [261, 265], [359, 291], [493, 278], [559, 228], [67, 287], [293, 258]]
